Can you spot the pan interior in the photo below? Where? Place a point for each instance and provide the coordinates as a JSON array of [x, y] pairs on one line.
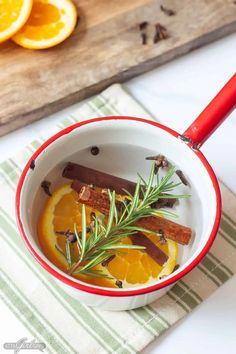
[[124, 145]]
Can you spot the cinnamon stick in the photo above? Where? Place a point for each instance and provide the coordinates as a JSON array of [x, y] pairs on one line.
[[171, 230], [150, 248], [84, 175], [100, 179], [95, 200]]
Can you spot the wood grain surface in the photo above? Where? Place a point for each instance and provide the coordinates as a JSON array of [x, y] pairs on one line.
[[105, 48]]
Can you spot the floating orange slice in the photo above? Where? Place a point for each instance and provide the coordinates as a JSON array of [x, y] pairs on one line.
[[50, 23], [133, 267], [13, 15]]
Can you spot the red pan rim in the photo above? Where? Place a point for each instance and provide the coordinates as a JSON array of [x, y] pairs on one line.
[[105, 291]]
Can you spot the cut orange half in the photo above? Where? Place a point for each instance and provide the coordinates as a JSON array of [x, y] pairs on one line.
[[50, 23], [133, 267], [13, 15]]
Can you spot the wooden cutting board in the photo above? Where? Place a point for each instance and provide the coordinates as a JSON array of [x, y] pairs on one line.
[[106, 47]]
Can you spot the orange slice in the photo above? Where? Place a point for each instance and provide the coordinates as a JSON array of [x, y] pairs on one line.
[[13, 15], [133, 267], [50, 23]]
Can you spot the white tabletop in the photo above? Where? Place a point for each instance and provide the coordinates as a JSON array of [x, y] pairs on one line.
[[175, 94]]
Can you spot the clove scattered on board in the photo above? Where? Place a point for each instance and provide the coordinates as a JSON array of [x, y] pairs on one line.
[[166, 11], [143, 25], [160, 33], [144, 38]]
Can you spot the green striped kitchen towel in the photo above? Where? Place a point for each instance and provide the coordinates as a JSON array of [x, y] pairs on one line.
[[67, 326]]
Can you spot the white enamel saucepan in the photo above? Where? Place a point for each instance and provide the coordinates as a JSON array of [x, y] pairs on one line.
[[124, 143]]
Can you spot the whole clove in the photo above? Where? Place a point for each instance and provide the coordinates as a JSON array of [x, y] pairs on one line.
[[92, 220], [160, 33], [32, 165], [182, 177], [176, 267], [107, 261], [166, 11], [119, 284], [143, 25], [71, 237], [94, 150], [160, 161], [162, 240], [46, 185]]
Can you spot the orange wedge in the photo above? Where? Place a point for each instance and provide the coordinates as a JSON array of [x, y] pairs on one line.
[[13, 15], [133, 267], [50, 23]]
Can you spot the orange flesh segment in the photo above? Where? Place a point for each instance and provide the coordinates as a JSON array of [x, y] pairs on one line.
[[9, 11], [43, 22]]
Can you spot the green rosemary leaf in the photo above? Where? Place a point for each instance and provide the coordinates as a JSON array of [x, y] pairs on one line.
[[126, 210], [141, 229], [103, 229], [84, 232], [168, 176], [157, 177], [142, 191], [111, 213], [95, 273], [116, 214], [127, 192], [69, 253], [77, 237], [96, 228], [134, 203], [123, 246], [174, 196], [60, 251], [163, 212], [149, 184], [115, 208], [101, 257], [142, 180]]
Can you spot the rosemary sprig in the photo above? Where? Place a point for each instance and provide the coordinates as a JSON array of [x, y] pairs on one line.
[[69, 253], [103, 241]]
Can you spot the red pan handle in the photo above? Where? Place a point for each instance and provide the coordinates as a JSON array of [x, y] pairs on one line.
[[213, 115]]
